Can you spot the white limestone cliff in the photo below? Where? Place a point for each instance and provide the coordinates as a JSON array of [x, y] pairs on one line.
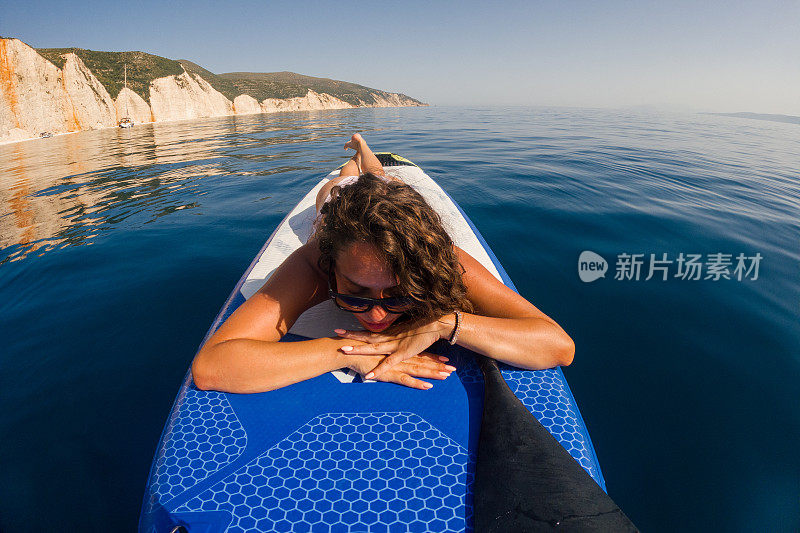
[[244, 104], [33, 98], [186, 96], [390, 100], [93, 107], [36, 97], [131, 105], [312, 100]]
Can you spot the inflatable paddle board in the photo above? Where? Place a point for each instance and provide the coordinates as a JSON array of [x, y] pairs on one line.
[[336, 453]]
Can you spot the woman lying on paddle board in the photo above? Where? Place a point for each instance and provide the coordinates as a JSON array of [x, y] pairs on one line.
[[380, 251]]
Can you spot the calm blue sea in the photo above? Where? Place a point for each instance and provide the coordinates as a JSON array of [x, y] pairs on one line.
[[117, 249]]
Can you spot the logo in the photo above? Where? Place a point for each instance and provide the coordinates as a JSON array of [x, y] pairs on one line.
[[346, 375], [591, 266]]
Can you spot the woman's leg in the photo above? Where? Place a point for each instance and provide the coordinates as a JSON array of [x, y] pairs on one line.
[[363, 161], [351, 168], [369, 163]]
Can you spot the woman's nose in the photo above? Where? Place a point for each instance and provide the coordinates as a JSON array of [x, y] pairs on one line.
[[376, 314]]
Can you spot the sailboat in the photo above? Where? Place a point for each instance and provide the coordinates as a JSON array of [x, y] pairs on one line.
[[126, 121]]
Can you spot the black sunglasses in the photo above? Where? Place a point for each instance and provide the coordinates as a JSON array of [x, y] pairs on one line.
[[360, 304]]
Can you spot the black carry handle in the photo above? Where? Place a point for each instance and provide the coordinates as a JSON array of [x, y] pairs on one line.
[[525, 480]]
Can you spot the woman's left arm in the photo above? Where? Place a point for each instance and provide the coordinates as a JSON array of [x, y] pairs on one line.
[[505, 326]]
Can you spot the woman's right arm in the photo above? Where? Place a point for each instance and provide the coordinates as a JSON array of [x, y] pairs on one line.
[[244, 354], [247, 365]]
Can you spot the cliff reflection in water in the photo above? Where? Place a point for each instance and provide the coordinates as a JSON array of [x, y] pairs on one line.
[[67, 190]]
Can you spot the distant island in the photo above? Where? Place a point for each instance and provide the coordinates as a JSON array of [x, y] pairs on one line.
[[61, 90], [761, 116]]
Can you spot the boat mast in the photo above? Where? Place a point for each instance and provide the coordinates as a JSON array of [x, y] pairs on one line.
[[126, 86]]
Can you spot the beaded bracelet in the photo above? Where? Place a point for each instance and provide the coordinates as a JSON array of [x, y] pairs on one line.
[[454, 336]]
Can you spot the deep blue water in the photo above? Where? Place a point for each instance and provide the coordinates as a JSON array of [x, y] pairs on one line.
[[117, 249]]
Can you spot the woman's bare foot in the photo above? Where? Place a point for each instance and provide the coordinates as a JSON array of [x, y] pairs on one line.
[[355, 142]]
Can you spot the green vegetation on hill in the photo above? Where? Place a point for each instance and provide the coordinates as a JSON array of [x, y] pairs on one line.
[[108, 68], [261, 85]]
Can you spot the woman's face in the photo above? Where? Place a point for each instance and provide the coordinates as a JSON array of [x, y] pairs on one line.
[[361, 271]]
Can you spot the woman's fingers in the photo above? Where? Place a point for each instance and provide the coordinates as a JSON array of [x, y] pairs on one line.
[[394, 376], [388, 362], [371, 349], [363, 336], [408, 369], [425, 368], [433, 357], [426, 365]]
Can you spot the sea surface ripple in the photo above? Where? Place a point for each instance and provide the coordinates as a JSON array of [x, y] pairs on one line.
[[118, 247]]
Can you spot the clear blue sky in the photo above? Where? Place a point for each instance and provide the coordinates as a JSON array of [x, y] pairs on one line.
[[711, 56]]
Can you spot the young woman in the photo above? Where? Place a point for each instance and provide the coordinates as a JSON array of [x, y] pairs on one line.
[[380, 251]]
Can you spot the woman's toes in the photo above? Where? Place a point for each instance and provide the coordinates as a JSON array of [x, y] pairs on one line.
[[354, 142]]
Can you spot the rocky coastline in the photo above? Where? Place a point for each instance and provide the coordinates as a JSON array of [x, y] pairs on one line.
[[36, 96]]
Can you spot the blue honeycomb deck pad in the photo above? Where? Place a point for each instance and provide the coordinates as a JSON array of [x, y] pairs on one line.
[[202, 435], [335, 453], [390, 471]]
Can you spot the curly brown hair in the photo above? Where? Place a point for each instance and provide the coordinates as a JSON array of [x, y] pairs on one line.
[[397, 220]]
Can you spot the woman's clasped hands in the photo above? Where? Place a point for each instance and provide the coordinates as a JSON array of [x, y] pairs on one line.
[[399, 358]]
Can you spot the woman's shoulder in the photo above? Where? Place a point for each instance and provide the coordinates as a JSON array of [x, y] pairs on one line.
[[310, 254], [300, 269]]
